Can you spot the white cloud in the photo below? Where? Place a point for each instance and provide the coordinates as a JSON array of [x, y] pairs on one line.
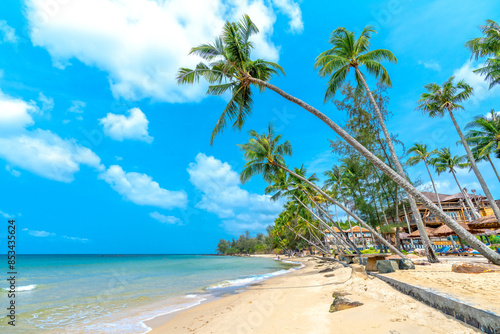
[[431, 64], [11, 170], [481, 86], [44, 234], [142, 190], [222, 195], [47, 102], [41, 234], [155, 36], [77, 107], [48, 155], [9, 33], [292, 10], [165, 219], [15, 114], [120, 127], [6, 215]]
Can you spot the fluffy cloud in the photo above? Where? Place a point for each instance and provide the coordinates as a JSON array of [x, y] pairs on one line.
[[222, 195], [48, 155], [39, 151], [9, 33], [481, 86], [47, 102], [120, 127], [164, 219], [15, 114], [77, 107], [292, 10], [142, 190], [156, 36]]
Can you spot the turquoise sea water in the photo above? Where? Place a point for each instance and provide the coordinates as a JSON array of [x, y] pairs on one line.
[[117, 293]]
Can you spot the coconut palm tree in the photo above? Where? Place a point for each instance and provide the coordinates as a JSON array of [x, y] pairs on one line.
[[484, 135], [489, 45], [350, 53], [421, 153], [266, 150], [446, 98], [230, 69], [445, 161]]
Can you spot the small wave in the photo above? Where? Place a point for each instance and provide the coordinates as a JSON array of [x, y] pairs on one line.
[[23, 288], [247, 280], [191, 296]]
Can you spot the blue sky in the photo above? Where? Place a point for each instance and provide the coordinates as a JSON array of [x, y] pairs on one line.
[[101, 151]]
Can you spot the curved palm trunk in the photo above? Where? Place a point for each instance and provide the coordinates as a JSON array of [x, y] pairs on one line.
[[493, 166], [429, 251], [475, 215], [325, 225], [408, 224], [359, 220], [473, 165], [433, 184], [403, 182]]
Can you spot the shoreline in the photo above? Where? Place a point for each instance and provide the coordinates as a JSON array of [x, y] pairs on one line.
[[219, 292], [299, 302]]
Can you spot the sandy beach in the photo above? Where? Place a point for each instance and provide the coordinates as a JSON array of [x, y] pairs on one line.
[[299, 302]]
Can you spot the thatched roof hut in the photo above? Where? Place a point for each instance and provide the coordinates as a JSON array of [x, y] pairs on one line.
[[485, 222], [444, 230], [416, 234]]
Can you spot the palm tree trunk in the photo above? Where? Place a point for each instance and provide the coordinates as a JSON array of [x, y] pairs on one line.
[[493, 166], [403, 182], [408, 223], [433, 184], [479, 176], [325, 224], [429, 251], [359, 220], [475, 215]]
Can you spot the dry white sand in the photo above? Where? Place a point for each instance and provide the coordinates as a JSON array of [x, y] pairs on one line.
[[479, 290], [299, 303]]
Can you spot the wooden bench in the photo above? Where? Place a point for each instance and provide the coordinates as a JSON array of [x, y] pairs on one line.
[[371, 259]]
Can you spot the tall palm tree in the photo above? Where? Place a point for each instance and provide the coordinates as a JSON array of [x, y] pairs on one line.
[[484, 135], [421, 153], [489, 45], [447, 98], [265, 155], [350, 53], [445, 161], [226, 72]]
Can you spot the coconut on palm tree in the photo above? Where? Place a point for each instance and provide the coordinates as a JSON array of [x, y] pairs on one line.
[[230, 69], [350, 53], [436, 101], [484, 136], [445, 161], [422, 154]]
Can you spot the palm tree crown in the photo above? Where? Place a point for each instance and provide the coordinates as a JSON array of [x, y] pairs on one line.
[[347, 53], [445, 161], [439, 99], [484, 135], [420, 153], [262, 152], [228, 69]]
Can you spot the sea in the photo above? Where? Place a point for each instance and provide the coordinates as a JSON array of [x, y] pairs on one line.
[[121, 293]]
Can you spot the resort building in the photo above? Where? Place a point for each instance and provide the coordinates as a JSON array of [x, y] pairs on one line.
[[455, 206], [357, 234]]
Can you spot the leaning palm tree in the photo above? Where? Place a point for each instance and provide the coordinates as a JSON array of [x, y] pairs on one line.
[[447, 98], [230, 69], [421, 153], [489, 45], [350, 53], [484, 135], [266, 155], [445, 161]]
